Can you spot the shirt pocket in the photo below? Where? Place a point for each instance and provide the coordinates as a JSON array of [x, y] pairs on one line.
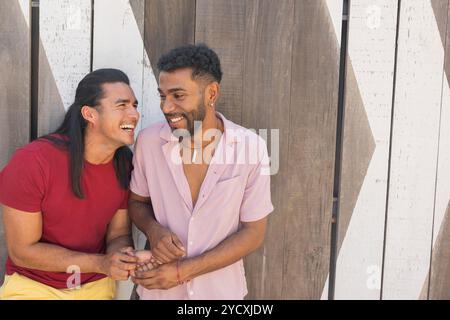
[[225, 181], [229, 191]]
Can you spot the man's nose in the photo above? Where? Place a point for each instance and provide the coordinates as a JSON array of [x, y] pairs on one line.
[[167, 106], [134, 113]]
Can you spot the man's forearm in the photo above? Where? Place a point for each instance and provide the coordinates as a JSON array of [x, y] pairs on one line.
[[226, 253], [142, 215], [118, 243], [54, 258]]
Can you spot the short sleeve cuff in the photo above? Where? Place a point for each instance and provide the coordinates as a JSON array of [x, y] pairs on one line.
[[255, 216]]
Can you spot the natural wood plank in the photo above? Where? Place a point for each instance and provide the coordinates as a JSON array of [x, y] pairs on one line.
[[269, 32], [138, 8], [414, 151], [168, 24], [64, 57], [312, 127], [221, 25], [439, 9], [365, 155], [439, 282], [15, 84], [440, 261], [149, 103]]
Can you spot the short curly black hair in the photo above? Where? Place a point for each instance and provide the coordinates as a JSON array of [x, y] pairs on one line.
[[202, 59]]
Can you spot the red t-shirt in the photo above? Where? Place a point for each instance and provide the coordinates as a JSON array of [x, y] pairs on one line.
[[37, 179]]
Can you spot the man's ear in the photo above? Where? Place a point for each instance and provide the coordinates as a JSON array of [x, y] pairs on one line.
[[212, 93], [89, 114]]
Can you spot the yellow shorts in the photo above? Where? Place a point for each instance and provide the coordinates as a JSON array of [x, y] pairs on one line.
[[18, 287]]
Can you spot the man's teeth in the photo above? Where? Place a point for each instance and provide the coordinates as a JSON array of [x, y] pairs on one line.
[[127, 127], [176, 119]]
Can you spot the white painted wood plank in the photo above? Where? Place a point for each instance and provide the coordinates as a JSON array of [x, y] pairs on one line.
[[372, 30], [65, 31], [118, 44], [64, 57], [335, 9], [25, 8], [151, 111], [414, 152]]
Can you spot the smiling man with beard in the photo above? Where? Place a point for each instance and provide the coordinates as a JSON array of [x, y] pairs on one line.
[[201, 213]]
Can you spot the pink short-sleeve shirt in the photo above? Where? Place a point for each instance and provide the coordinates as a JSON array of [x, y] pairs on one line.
[[236, 188]]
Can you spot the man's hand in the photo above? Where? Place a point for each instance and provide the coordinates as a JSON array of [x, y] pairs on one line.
[[145, 261], [166, 246], [118, 265], [128, 250], [163, 277]]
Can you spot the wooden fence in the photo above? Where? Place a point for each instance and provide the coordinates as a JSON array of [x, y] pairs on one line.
[[358, 90]]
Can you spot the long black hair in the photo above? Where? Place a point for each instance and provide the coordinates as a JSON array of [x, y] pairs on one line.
[[70, 134]]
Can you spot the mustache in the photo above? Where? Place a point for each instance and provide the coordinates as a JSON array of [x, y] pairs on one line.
[[173, 115]]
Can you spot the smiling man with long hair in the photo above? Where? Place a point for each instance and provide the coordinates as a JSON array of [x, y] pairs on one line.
[[64, 199]]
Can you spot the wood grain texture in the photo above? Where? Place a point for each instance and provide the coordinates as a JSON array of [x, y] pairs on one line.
[[269, 34], [414, 151], [221, 25], [15, 88], [168, 24], [138, 8], [312, 127], [365, 155], [440, 8]]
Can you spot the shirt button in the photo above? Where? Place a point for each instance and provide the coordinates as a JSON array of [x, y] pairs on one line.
[[191, 293], [190, 243]]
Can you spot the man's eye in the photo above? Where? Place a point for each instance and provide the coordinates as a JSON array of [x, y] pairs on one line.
[[178, 96], [162, 97]]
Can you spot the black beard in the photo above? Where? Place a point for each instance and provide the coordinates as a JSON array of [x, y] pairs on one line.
[[193, 118]]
